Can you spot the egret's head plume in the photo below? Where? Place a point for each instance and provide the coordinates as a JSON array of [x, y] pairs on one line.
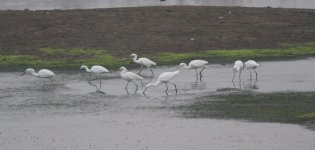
[[28, 70], [181, 65], [122, 68], [133, 55], [83, 67]]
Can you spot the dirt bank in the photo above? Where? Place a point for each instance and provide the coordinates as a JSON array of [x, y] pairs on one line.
[[121, 31]]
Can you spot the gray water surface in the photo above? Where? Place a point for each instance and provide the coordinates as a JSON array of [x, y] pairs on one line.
[[71, 89], [71, 115], [87, 4]]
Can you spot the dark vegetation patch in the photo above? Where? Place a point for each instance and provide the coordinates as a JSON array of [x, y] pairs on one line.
[[288, 107]]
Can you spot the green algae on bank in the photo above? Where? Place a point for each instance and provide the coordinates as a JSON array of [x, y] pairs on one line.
[[61, 59], [215, 56], [73, 58], [287, 107]]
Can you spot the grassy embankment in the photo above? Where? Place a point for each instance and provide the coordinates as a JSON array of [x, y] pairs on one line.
[[72, 59], [293, 107]]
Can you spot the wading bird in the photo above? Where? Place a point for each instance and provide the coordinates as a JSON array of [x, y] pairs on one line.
[[251, 65], [238, 67], [96, 69], [130, 77], [165, 78], [43, 73], [143, 62], [195, 64]]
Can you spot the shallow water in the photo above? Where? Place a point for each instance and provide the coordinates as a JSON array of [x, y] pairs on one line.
[[71, 115], [84, 4]]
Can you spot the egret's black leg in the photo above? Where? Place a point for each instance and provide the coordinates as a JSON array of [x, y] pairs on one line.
[[136, 87], [256, 74], [52, 82], [203, 68], [174, 86], [196, 74], [142, 82], [127, 91], [151, 71], [44, 83], [100, 84], [233, 84], [127, 85], [166, 86], [233, 75], [166, 89], [90, 82], [140, 70]]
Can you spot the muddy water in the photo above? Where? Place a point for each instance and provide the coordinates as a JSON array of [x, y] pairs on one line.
[[71, 115], [84, 4]]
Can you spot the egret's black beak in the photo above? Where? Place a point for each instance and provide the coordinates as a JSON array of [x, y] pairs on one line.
[[23, 74]]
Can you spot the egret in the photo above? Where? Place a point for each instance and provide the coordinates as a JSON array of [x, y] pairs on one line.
[[251, 65], [129, 77], [143, 62], [43, 73], [195, 64], [238, 67], [165, 78], [96, 69]]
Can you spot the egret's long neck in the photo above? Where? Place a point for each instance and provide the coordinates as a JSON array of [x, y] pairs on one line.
[[123, 72], [156, 83], [187, 67], [135, 58], [34, 73], [87, 69]]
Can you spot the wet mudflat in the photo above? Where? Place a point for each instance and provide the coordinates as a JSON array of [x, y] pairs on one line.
[[71, 115]]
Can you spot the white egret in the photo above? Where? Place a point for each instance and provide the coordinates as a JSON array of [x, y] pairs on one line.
[[238, 67], [165, 78], [195, 64], [43, 73], [129, 77], [251, 65], [96, 69], [143, 62]]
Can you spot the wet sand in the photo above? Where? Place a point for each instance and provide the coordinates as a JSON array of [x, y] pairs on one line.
[[70, 115]]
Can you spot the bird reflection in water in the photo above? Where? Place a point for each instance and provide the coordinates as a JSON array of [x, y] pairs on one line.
[[249, 85]]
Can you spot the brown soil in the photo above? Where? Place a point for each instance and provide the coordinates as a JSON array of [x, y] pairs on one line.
[[122, 31]]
